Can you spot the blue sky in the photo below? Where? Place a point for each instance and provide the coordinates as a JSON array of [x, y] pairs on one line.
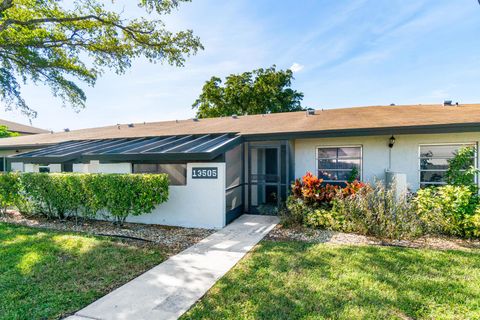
[[344, 53]]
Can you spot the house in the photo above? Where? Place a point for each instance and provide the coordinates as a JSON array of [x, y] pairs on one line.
[[222, 167], [19, 128]]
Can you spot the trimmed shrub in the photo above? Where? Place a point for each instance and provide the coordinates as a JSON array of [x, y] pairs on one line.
[[38, 190], [63, 195], [130, 194], [93, 188], [54, 195], [9, 190]]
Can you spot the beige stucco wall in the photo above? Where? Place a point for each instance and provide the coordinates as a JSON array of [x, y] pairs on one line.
[[376, 153]]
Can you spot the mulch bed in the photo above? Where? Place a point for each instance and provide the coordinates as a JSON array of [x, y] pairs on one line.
[[280, 233], [173, 239]]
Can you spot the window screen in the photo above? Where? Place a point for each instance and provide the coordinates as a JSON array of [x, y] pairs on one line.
[[434, 162], [176, 172], [337, 164]]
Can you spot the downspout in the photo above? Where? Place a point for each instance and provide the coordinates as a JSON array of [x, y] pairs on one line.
[[389, 159]]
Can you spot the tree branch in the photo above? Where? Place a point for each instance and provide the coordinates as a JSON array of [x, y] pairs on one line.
[[9, 22]]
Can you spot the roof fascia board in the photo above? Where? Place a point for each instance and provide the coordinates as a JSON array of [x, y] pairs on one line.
[[430, 129], [42, 159], [28, 146]]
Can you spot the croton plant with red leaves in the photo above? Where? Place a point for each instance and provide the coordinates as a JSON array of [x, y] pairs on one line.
[[352, 188], [312, 190]]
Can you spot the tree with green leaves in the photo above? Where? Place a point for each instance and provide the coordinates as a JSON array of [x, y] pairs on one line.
[[4, 133], [257, 92], [61, 43]]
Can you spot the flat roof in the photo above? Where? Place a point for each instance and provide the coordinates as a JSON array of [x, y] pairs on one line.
[[329, 122]]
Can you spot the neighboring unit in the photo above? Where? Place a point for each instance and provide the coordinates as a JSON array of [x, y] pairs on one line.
[[222, 167], [19, 128]]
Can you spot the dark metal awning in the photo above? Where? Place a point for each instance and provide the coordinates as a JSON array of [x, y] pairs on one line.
[[171, 148]]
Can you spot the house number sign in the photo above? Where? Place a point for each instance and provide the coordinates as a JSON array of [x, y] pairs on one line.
[[205, 173]]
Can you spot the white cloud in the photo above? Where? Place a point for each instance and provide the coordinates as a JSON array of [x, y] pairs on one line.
[[297, 67]]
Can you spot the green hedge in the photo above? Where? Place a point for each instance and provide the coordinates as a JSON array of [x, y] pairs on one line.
[[62, 195], [9, 190]]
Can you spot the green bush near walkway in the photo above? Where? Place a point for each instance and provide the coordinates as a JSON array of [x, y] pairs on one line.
[[62, 195]]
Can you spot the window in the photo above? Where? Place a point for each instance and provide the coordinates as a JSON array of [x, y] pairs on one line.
[[43, 168], [336, 164], [434, 162], [176, 172], [67, 167]]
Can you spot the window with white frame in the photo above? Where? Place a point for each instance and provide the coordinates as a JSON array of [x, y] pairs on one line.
[[434, 161], [336, 165]]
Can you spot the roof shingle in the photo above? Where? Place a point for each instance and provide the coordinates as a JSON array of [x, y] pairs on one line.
[[21, 128], [328, 120]]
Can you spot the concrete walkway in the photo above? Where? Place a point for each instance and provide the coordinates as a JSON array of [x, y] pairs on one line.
[[171, 288]]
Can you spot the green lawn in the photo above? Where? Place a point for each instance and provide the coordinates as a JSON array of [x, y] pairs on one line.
[[47, 274], [293, 280]]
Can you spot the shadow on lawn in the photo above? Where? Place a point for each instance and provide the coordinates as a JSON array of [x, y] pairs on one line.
[[289, 280], [47, 275]]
